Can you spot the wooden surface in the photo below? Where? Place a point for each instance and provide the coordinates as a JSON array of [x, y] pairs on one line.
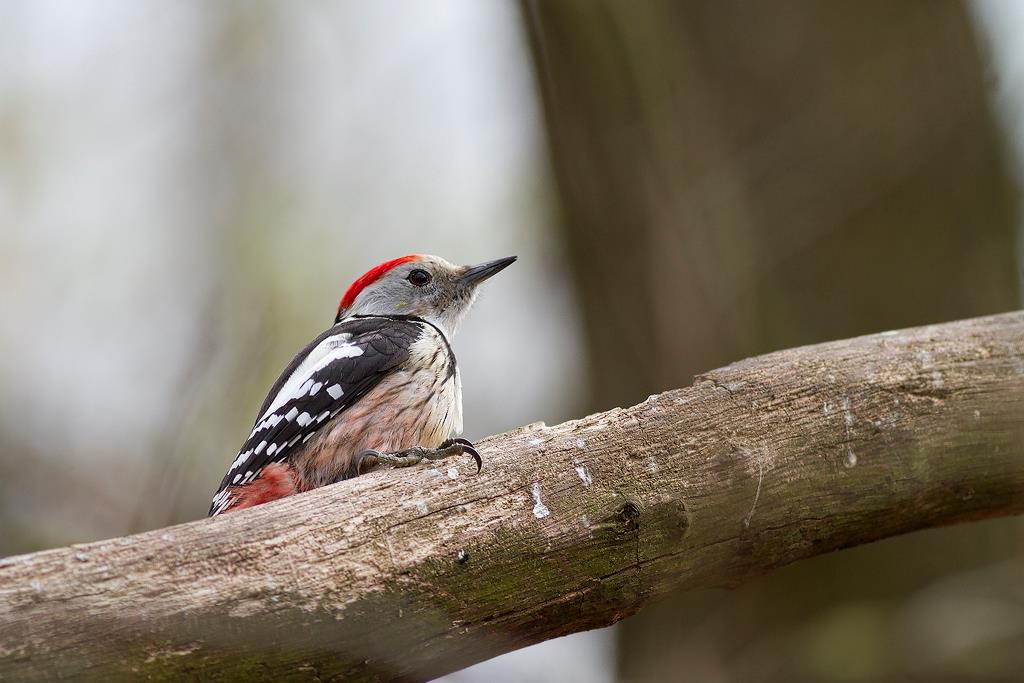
[[413, 573]]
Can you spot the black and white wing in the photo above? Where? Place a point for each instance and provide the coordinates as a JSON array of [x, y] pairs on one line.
[[330, 374]]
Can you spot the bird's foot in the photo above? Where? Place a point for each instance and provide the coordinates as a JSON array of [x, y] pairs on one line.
[[411, 456]]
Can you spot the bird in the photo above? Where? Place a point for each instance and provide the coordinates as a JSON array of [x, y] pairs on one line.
[[380, 386]]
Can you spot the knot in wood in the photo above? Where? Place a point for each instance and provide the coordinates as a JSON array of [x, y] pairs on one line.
[[629, 516]]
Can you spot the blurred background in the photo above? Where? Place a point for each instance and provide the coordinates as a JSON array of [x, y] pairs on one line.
[[186, 188]]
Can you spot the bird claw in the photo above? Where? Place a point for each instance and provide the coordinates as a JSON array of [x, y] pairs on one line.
[[411, 456], [360, 459], [466, 447]]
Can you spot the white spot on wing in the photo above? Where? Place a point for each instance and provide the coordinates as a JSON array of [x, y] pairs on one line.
[[303, 419], [259, 449], [315, 388], [269, 421], [335, 391], [239, 460], [292, 414], [326, 352]]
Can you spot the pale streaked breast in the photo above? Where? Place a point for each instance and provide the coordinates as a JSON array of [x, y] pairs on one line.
[[418, 404]]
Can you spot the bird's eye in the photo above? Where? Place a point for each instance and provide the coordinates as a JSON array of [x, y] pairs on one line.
[[419, 277]]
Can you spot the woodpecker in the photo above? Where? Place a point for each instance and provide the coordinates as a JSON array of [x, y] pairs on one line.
[[381, 385]]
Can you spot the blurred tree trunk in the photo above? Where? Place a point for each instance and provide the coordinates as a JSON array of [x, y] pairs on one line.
[[741, 177]]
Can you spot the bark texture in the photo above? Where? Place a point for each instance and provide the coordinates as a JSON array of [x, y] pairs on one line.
[[414, 573]]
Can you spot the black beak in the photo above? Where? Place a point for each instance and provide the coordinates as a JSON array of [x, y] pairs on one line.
[[474, 275]]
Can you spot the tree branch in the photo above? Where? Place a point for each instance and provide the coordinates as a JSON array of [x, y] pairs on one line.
[[413, 573]]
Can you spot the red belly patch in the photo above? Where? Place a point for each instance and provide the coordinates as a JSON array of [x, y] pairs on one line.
[[275, 481]]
